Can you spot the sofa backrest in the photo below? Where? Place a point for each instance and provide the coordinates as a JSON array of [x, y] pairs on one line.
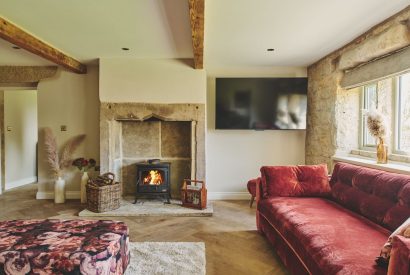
[[380, 196], [295, 181]]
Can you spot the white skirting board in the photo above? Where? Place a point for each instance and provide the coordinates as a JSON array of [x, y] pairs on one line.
[[69, 195], [18, 183], [213, 196]]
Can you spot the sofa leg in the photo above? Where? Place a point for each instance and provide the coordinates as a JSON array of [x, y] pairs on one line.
[[252, 199]]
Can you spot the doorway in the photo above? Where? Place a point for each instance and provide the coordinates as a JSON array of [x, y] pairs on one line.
[[20, 138]]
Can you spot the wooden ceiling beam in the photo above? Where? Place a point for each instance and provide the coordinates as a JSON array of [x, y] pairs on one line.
[[196, 14], [24, 40]]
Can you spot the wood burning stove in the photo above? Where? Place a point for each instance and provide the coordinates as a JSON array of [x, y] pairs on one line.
[[153, 179]]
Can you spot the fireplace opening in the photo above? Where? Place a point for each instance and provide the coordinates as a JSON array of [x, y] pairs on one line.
[[153, 179]]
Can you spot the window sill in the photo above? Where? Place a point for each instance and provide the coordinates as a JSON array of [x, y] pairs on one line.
[[372, 154], [395, 167]]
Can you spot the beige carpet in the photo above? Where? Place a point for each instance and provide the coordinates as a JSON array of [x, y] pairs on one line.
[[155, 258], [151, 208]]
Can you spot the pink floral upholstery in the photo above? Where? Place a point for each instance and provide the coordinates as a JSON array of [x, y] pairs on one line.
[[402, 230], [63, 247], [400, 256]]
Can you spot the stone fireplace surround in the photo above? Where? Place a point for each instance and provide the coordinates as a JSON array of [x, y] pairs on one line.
[[135, 132]]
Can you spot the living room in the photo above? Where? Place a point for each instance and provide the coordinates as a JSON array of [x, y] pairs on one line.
[[142, 81]]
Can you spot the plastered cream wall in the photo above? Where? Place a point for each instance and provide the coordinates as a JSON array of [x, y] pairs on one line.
[[151, 81], [20, 121], [235, 156], [68, 99]]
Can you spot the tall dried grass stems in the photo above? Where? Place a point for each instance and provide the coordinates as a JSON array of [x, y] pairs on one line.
[[377, 124], [52, 159], [58, 162], [68, 150]]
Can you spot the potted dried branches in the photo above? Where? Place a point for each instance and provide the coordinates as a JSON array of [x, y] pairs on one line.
[[377, 125], [58, 162]]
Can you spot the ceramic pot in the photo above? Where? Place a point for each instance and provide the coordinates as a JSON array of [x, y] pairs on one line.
[[59, 190], [84, 180]]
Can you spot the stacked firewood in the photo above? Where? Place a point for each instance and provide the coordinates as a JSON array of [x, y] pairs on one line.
[[102, 180]]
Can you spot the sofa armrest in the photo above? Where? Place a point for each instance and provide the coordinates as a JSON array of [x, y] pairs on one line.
[[259, 193], [399, 263]]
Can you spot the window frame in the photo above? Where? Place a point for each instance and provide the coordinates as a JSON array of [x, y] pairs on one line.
[[363, 144], [397, 117]]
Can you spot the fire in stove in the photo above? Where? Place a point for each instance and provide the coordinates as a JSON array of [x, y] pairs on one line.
[[154, 177]]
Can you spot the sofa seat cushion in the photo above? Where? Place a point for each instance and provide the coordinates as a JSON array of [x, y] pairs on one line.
[[328, 238]]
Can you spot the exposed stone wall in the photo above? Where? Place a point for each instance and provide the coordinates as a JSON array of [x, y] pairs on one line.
[[348, 116], [333, 112], [321, 119]]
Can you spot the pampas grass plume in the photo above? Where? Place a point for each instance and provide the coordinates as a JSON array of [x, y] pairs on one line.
[[69, 149], [58, 162], [50, 145], [377, 124]]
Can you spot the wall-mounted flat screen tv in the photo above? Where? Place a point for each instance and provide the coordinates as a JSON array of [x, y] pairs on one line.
[[261, 103]]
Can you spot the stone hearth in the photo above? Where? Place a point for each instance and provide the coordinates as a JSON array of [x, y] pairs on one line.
[[131, 133], [151, 208]]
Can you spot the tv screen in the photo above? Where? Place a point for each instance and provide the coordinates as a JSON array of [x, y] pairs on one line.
[[261, 103]]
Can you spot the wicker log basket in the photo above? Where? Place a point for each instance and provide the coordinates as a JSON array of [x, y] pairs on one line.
[[103, 193]]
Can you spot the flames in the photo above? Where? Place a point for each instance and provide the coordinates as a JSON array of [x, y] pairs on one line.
[[153, 178]]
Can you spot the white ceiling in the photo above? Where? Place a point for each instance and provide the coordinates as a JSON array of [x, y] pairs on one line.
[[87, 30], [20, 57], [237, 32]]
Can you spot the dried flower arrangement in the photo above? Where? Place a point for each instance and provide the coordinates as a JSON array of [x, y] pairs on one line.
[[377, 124], [85, 164], [378, 128], [58, 162]]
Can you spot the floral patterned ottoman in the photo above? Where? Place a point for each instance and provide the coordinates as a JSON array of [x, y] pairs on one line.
[[63, 247]]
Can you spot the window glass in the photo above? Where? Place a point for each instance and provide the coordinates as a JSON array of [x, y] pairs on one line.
[[369, 103], [403, 115]]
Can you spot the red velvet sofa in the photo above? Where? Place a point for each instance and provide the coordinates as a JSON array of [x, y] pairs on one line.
[[336, 228]]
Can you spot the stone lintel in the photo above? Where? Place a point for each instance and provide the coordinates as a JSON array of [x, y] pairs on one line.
[[25, 76]]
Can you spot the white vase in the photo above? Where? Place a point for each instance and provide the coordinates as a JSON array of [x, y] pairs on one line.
[[84, 180], [59, 190]]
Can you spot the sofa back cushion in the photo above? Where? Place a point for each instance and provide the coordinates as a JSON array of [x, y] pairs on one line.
[[295, 181], [380, 196]]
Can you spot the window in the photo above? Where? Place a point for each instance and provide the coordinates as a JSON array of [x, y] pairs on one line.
[[394, 101], [403, 114], [369, 103]]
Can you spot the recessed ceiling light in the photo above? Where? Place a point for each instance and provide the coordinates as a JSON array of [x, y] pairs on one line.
[[125, 49], [16, 48], [270, 49]]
